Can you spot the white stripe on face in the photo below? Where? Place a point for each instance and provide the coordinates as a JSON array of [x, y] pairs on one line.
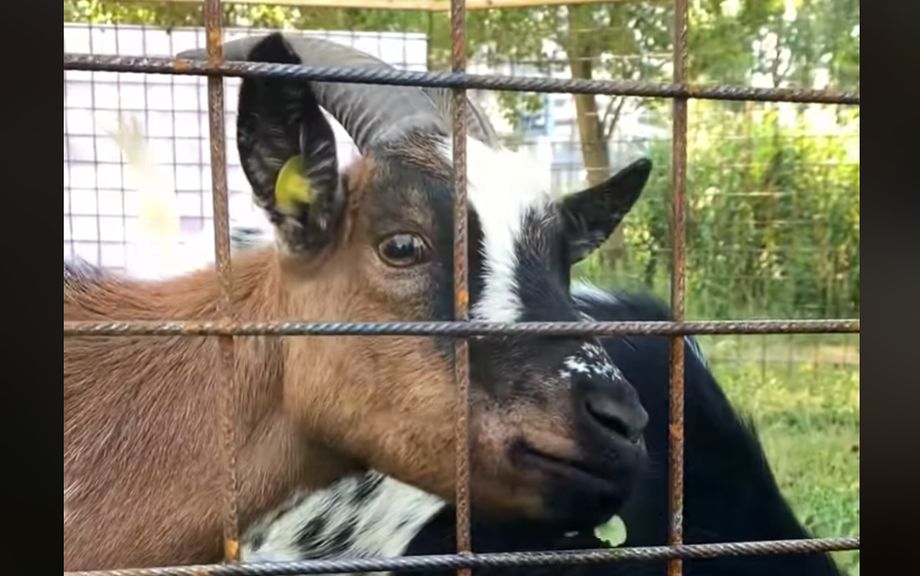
[[504, 188]]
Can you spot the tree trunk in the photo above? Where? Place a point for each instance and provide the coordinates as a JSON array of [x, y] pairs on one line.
[[594, 151]]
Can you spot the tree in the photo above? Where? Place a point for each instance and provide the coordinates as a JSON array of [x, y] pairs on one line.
[[731, 41], [172, 14], [785, 42], [621, 40]]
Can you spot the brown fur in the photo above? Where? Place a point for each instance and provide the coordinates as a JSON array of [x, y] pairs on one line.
[[421, 152], [141, 443]]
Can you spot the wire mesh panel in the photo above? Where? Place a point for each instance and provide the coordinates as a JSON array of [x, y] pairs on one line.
[[96, 90], [103, 194]]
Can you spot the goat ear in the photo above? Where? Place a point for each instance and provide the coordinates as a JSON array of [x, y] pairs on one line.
[[593, 214], [287, 149]]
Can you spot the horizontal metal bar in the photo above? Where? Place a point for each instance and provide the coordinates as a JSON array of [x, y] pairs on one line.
[[502, 559], [461, 329], [392, 76]]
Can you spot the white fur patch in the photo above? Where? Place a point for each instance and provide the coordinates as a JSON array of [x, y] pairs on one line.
[[503, 187], [382, 524], [590, 359]]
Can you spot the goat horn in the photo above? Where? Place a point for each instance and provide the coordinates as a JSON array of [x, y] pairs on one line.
[[477, 123], [395, 109]]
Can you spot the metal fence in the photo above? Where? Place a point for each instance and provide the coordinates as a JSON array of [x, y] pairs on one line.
[[459, 81]]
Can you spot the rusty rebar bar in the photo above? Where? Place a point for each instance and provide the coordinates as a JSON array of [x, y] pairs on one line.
[[213, 15], [678, 295], [461, 291], [501, 559], [456, 329], [166, 65]]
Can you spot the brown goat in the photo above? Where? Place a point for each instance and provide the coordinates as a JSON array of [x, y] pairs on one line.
[[555, 425]]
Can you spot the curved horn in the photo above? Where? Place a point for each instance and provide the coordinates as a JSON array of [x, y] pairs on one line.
[[477, 123], [367, 112]]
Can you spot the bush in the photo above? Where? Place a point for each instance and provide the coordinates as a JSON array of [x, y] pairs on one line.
[[772, 222]]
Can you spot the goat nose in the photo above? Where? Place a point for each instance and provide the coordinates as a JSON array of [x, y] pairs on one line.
[[620, 413]]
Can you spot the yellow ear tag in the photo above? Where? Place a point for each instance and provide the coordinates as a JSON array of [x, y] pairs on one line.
[[291, 187]]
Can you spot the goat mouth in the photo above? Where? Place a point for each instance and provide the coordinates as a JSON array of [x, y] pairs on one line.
[[591, 476]]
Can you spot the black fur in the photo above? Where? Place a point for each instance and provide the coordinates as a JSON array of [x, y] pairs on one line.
[[277, 120]]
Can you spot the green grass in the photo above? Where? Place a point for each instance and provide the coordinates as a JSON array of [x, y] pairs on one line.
[[806, 408]]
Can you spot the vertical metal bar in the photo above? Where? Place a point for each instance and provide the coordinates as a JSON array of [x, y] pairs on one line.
[[213, 30], [121, 167], [94, 111], [461, 293], [68, 189], [678, 282]]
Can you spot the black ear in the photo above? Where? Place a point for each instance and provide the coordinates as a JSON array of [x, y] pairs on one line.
[[593, 214], [280, 125]]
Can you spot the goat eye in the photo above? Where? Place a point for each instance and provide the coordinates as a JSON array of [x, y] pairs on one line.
[[402, 250]]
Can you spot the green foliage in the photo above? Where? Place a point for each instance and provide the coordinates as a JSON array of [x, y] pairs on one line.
[[171, 15], [616, 39], [167, 15], [772, 221], [765, 37]]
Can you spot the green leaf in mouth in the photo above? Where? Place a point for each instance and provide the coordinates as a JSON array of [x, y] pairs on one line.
[[613, 532]]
